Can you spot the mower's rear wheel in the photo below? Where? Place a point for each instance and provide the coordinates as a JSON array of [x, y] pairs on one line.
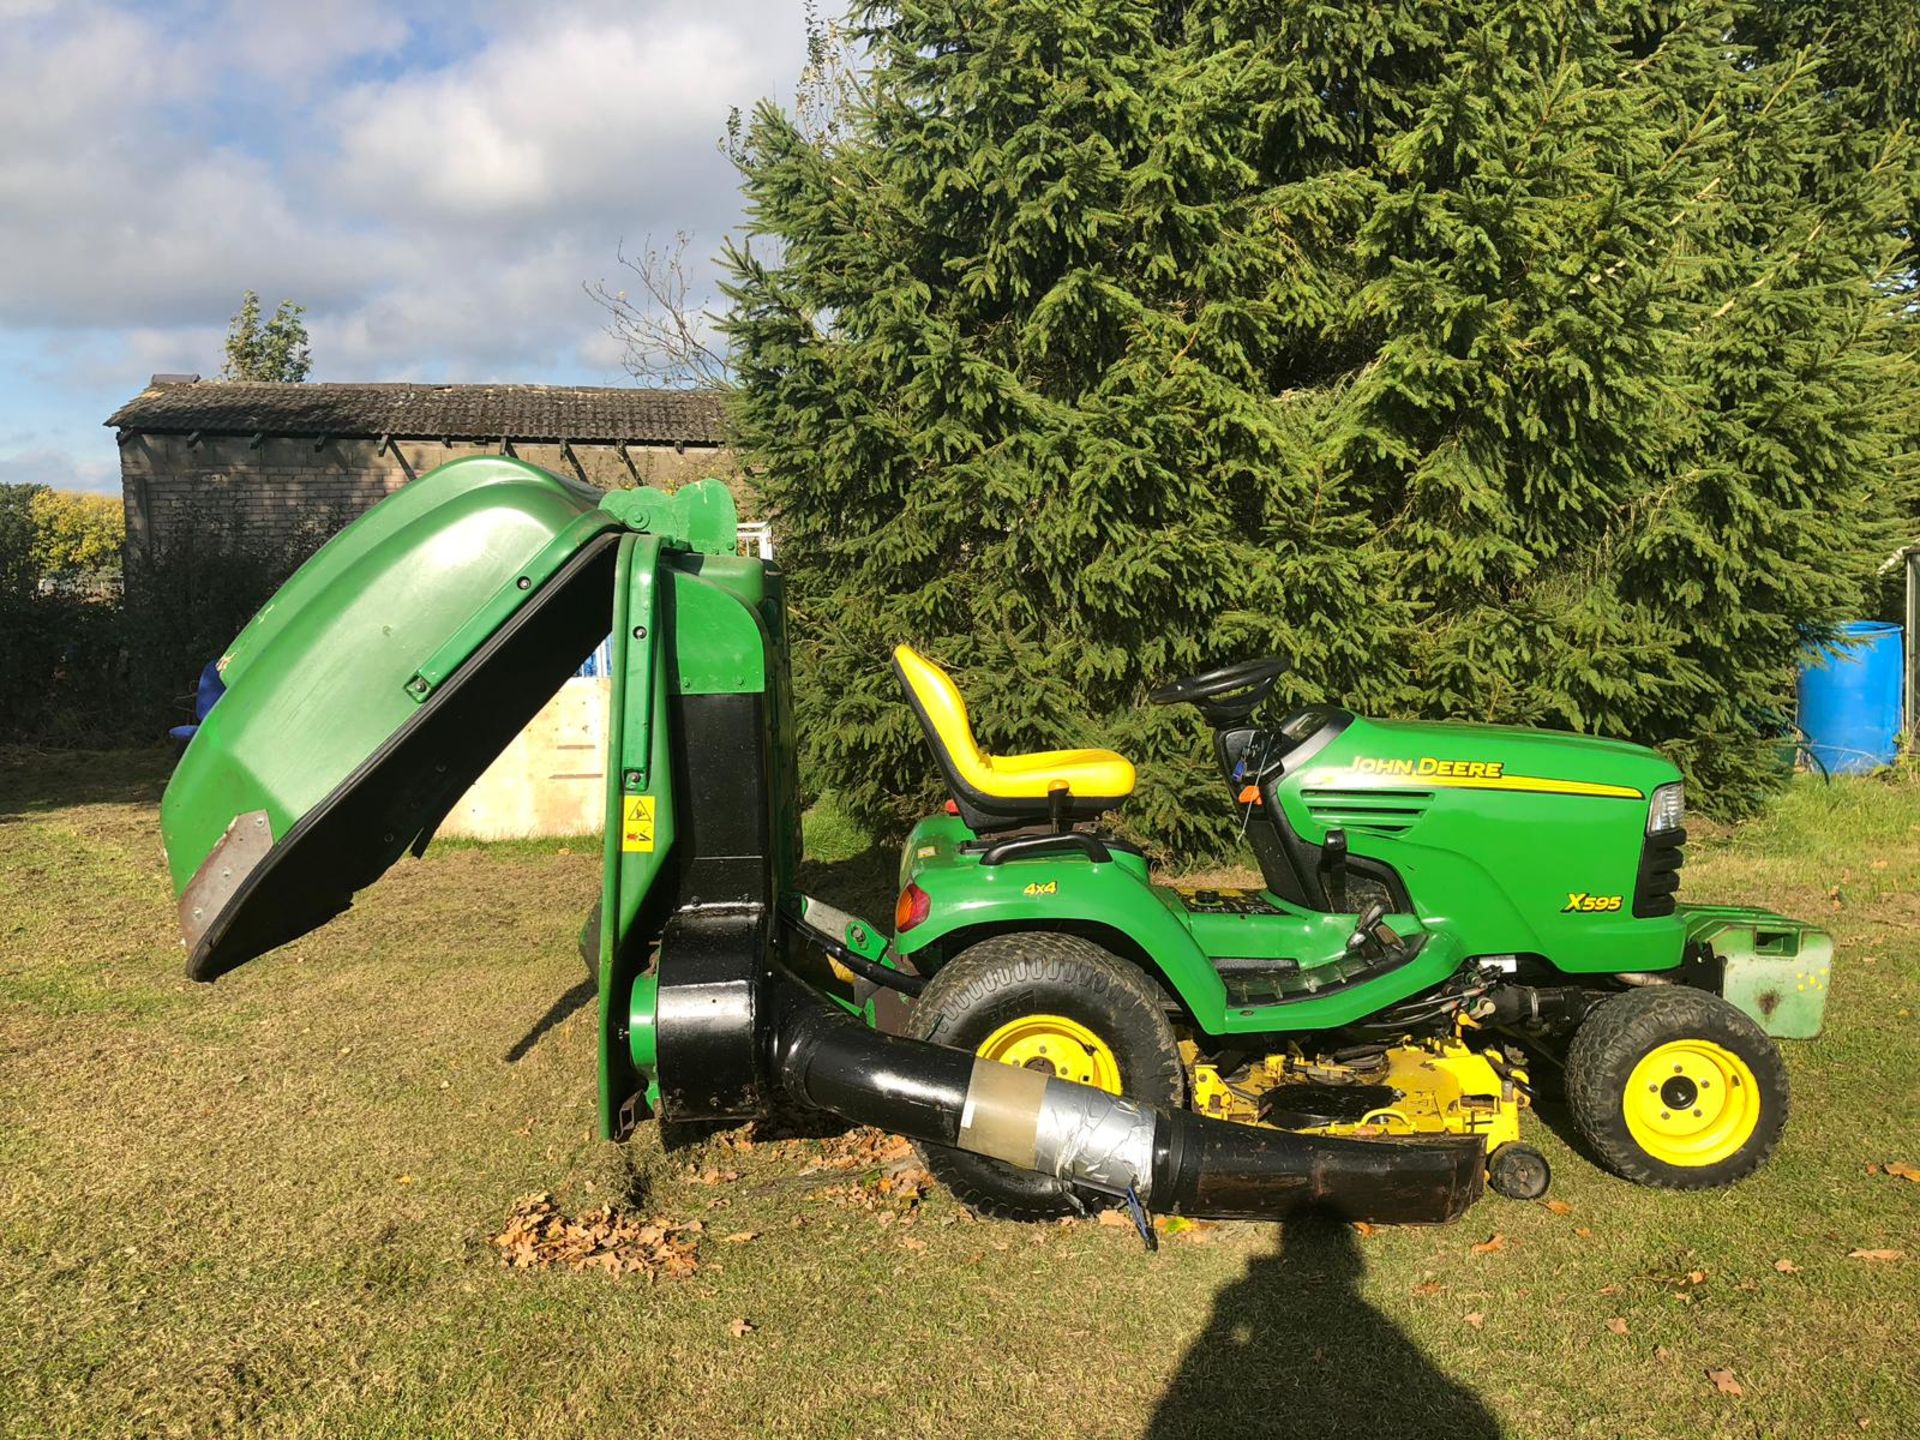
[[1060, 1005], [1676, 1088]]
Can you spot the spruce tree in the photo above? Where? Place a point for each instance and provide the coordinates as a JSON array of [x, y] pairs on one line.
[[1524, 362]]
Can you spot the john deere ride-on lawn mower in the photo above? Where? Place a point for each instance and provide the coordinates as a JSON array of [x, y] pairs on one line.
[[1443, 909]]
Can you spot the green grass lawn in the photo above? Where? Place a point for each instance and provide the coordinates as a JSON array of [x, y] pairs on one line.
[[266, 1206]]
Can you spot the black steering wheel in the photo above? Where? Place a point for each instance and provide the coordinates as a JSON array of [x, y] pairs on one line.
[[1227, 695]]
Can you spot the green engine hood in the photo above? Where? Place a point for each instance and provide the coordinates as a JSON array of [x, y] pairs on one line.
[[370, 692]]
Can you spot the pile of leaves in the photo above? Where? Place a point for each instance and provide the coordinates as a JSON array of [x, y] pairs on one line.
[[865, 1149], [539, 1234], [893, 1183], [793, 1138], [889, 1198]]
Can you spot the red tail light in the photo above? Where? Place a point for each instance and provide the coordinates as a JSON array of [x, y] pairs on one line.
[[915, 905]]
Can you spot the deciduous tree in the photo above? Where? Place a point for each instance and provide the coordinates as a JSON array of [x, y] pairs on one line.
[[276, 351]]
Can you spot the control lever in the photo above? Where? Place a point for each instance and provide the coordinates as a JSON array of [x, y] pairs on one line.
[[1374, 934]]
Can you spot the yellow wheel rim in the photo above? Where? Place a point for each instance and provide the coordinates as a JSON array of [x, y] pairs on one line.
[[1691, 1102], [1054, 1045]]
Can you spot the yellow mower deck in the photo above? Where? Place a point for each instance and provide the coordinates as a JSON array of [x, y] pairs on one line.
[[1440, 1087]]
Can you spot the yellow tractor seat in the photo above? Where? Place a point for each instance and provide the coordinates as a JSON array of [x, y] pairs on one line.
[[994, 792]]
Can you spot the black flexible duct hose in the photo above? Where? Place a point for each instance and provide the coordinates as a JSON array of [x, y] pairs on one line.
[[1174, 1161]]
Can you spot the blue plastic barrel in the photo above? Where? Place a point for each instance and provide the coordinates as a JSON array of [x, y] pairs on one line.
[[1850, 698]]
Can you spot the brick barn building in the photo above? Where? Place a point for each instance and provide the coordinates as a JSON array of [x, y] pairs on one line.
[[271, 458]]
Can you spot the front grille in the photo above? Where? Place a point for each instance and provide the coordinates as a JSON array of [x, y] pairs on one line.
[[1381, 812], [1659, 878]]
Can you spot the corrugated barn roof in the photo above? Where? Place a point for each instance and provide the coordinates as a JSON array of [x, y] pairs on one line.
[[440, 412]]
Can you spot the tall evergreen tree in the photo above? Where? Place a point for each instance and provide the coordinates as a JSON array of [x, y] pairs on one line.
[[1869, 52], [1517, 362]]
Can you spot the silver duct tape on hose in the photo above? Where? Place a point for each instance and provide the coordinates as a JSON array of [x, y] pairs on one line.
[[1093, 1138], [1072, 1132]]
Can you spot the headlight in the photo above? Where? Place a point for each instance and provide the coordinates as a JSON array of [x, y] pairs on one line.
[[1669, 808]]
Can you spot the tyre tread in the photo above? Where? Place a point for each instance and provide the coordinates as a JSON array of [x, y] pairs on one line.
[[1623, 1028], [1041, 958]]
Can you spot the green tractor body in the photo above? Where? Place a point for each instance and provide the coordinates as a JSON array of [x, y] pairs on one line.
[[1484, 841], [1421, 882]]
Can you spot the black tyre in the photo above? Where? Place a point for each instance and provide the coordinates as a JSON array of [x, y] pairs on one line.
[[1519, 1172], [1058, 1004], [1675, 1088]]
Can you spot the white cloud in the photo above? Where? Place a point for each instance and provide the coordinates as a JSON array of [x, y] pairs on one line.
[[570, 113], [60, 470], [298, 45], [432, 182], [114, 207]]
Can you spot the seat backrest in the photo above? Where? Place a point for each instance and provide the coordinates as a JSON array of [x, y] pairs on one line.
[[943, 715]]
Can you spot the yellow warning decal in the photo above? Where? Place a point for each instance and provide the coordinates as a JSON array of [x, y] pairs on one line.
[[636, 822]]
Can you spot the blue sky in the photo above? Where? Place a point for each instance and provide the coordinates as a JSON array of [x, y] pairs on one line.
[[433, 181]]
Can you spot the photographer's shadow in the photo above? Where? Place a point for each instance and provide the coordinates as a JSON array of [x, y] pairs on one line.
[[1293, 1349]]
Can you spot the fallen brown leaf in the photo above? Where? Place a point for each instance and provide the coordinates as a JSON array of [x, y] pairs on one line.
[[1617, 1325], [1558, 1207], [1490, 1245], [1428, 1287], [912, 1242], [1786, 1267], [1115, 1220], [1609, 1289], [862, 1149], [1724, 1382], [1583, 1232], [1364, 1229], [538, 1235], [1876, 1254], [739, 1326], [891, 1198], [1474, 1318], [740, 1237], [1904, 1171], [1660, 1352], [1696, 1277]]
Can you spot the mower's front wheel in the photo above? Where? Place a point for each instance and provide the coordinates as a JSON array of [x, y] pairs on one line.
[[1676, 1088], [1064, 1007]]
